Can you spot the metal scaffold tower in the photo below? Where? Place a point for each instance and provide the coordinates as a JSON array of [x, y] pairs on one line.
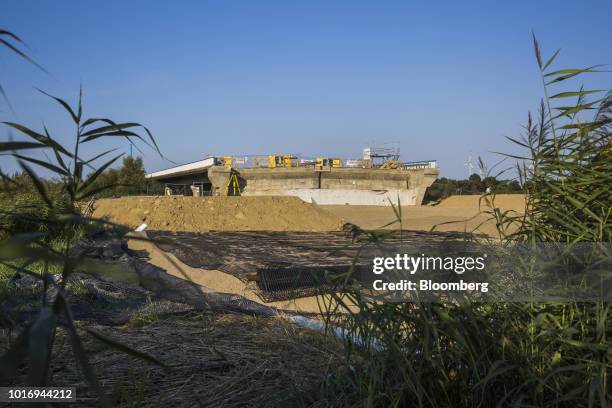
[[377, 156]]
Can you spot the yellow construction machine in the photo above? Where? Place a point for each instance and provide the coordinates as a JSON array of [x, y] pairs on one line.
[[327, 163], [391, 164], [290, 161], [227, 161], [286, 160]]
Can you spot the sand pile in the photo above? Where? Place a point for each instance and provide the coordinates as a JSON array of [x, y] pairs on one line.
[[514, 202], [193, 214]]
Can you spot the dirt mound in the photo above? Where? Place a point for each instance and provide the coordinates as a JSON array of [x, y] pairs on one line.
[[194, 214], [514, 202]]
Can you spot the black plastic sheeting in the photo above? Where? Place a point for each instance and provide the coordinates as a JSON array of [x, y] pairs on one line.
[[288, 264]]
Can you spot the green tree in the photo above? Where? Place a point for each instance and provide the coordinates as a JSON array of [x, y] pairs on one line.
[[131, 176], [475, 184], [129, 179]]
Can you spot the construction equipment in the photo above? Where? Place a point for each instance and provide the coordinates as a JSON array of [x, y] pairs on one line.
[[323, 163], [390, 164], [286, 160], [290, 161], [233, 184], [227, 161], [274, 161]]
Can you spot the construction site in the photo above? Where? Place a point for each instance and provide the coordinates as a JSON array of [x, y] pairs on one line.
[[264, 227], [272, 228], [378, 178], [236, 269], [204, 204]]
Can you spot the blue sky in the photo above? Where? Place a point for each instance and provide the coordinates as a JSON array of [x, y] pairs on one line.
[[444, 79]]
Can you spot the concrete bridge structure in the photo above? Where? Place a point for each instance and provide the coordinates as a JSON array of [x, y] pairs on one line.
[[333, 186]]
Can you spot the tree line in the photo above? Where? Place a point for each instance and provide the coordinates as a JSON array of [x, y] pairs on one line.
[[446, 187]]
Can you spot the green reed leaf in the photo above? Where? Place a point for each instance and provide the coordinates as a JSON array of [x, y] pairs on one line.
[[39, 346], [575, 93], [64, 104]]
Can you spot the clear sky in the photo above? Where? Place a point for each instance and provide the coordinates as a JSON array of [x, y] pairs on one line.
[[444, 79]]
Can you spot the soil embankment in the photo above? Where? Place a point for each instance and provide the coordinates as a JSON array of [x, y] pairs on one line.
[[199, 214]]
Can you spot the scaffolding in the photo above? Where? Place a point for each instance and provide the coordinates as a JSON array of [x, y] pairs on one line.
[[377, 156]]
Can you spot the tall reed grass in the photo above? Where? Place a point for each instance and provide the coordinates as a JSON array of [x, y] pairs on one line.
[[504, 353], [56, 227]]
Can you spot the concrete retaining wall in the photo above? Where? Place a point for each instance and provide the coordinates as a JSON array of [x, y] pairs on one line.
[[338, 178], [338, 186]]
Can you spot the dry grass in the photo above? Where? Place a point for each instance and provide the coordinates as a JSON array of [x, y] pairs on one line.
[[215, 360]]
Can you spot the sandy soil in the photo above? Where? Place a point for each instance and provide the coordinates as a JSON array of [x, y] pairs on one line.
[[464, 209], [219, 281], [515, 202], [193, 214]]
